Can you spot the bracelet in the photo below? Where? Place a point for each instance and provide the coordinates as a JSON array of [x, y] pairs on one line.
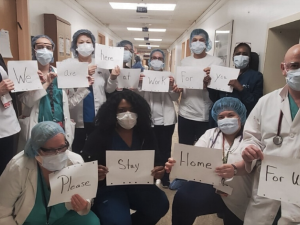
[[235, 169]]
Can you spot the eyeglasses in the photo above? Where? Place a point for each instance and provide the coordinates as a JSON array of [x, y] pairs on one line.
[[54, 151], [155, 58], [292, 66], [41, 46]]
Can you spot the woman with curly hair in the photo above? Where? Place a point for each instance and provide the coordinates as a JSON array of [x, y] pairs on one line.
[[124, 123]]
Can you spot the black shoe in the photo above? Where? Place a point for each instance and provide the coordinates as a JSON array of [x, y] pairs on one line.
[[165, 183]]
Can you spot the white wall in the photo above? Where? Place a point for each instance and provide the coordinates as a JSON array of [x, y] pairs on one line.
[[251, 18], [71, 11]]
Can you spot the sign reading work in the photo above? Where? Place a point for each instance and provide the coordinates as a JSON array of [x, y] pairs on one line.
[[107, 57], [156, 81]]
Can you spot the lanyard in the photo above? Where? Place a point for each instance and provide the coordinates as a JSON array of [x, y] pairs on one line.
[[277, 140], [48, 209]]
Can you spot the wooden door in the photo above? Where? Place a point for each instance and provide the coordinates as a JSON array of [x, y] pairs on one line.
[[188, 50], [183, 50]]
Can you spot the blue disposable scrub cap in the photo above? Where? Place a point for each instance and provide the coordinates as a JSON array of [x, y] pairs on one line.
[[124, 42], [40, 134], [204, 34], [33, 42], [75, 37], [156, 50], [229, 104]]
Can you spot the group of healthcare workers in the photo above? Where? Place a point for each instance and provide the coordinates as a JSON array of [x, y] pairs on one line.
[[62, 127]]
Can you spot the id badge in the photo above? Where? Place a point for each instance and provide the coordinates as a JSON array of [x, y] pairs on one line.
[[223, 188], [6, 100]]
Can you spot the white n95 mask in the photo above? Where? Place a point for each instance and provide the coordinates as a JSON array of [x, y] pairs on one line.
[[127, 120], [85, 49], [127, 56], [44, 56], [198, 47], [156, 64], [54, 162], [241, 61], [293, 79], [229, 125]]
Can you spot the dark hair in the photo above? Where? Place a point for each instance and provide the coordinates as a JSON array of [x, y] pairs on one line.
[[106, 118], [242, 44]]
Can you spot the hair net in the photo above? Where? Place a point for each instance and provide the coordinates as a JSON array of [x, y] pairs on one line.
[[156, 50], [204, 34], [40, 134], [231, 104], [75, 37], [124, 42], [33, 42], [137, 58]]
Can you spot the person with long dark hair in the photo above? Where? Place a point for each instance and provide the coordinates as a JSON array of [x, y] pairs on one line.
[[124, 122]]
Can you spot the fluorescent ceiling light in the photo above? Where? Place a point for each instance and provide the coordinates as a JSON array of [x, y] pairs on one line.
[[217, 41], [150, 29], [157, 46], [142, 39], [133, 6], [222, 31]]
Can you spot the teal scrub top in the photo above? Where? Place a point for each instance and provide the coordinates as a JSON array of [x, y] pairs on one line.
[[293, 107]]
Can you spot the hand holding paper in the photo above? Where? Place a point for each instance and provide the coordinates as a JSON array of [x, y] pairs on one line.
[[6, 86], [115, 73]]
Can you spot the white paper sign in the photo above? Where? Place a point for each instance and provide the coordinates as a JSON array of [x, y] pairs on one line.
[[81, 179], [68, 46], [107, 57], [129, 167], [61, 45], [5, 44], [156, 81], [129, 78], [72, 74], [24, 75], [220, 77], [190, 77], [196, 164], [280, 179]]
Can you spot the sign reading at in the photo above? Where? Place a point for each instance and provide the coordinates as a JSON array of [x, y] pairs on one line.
[[190, 77], [196, 164], [129, 78], [107, 57], [156, 81], [81, 179], [129, 167], [24, 75]]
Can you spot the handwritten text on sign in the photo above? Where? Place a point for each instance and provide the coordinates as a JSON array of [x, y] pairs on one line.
[[24, 75], [129, 167], [72, 74], [156, 81], [220, 77], [280, 179], [196, 163], [81, 179], [107, 57], [129, 78], [190, 77]]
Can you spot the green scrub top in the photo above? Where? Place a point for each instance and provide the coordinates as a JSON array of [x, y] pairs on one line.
[[293, 107]]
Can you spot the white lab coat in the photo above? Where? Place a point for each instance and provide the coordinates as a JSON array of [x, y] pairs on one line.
[[260, 129], [18, 187], [238, 201]]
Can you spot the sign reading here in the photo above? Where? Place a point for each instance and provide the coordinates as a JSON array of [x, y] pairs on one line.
[[107, 57]]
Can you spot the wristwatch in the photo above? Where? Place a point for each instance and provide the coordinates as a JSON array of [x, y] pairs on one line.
[[235, 170]]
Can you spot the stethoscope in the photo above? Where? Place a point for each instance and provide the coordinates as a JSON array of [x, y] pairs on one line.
[[214, 141], [277, 140]]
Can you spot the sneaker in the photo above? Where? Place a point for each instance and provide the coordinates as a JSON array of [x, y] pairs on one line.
[[158, 182]]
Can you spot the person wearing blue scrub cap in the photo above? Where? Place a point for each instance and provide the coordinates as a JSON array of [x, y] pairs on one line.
[[128, 51]]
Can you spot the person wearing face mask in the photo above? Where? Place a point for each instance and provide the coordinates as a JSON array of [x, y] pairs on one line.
[[82, 47], [162, 110], [50, 103], [248, 87], [195, 199], [128, 52], [124, 123], [25, 188], [272, 128], [138, 64]]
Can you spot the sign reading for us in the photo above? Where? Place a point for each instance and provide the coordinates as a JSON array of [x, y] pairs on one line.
[[190, 77]]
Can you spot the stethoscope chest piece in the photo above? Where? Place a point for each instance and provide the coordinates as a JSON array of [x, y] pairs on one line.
[[277, 140]]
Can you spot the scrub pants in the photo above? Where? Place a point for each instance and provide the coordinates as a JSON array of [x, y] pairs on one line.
[[164, 139], [80, 137], [112, 205], [73, 218], [196, 199], [189, 131], [6, 151]]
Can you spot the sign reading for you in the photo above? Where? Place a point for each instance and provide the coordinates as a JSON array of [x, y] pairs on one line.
[[129, 78], [129, 167], [107, 57], [220, 77], [196, 164], [72, 74], [156, 81], [190, 77], [24, 75], [81, 179], [280, 179]]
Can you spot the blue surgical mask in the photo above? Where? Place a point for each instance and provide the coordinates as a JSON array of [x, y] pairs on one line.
[[198, 47], [44, 56], [229, 125], [156, 64], [241, 61], [293, 79], [127, 56], [54, 162]]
